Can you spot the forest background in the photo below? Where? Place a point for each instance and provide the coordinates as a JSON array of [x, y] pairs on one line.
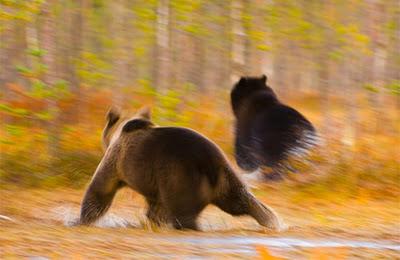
[[65, 62]]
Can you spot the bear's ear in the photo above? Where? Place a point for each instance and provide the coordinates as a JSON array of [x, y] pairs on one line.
[[264, 78], [113, 115], [144, 112], [242, 80]]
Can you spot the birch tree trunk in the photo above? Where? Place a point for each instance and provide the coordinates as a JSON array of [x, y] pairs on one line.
[[238, 40], [49, 59], [77, 40], [162, 50]]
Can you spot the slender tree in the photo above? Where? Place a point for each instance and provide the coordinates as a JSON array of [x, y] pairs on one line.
[[162, 49]]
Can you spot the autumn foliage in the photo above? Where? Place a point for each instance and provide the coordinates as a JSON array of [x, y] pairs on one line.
[[367, 167]]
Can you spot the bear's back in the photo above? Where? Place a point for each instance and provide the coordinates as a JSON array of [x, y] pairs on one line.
[[280, 118], [179, 148]]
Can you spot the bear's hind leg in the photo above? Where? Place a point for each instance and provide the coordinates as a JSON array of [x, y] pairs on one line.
[[239, 202], [156, 212], [183, 208], [183, 213], [185, 222]]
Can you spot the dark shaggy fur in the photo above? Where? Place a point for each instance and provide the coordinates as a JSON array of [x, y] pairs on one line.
[[267, 131], [177, 170]]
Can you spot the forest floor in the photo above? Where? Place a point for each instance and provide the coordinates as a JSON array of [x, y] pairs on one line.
[[351, 229]]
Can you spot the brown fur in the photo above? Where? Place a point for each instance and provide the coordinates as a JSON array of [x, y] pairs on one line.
[[177, 170]]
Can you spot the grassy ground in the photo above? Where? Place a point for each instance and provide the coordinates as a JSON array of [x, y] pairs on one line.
[[350, 191], [37, 228]]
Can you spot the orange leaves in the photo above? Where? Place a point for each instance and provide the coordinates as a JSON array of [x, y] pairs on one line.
[[265, 254], [81, 138], [337, 253], [368, 171]]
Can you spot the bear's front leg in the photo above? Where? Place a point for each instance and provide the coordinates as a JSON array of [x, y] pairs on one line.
[[100, 193]]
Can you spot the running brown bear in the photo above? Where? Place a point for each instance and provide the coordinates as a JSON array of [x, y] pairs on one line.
[[267, 132], [177, 170]]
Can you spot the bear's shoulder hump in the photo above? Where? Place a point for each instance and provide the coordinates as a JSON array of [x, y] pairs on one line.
[[136, 124]]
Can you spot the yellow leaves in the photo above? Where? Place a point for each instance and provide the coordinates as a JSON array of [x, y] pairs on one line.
[[19, 10], [351, 39], [257, 35], [264, 47], [362, 38]]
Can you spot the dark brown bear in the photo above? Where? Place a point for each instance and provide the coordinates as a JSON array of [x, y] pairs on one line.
[[177, 170], [267, 132]]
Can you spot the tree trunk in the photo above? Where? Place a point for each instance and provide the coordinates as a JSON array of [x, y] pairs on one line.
[[323, 84], [349, 76], [239, 50], [215, 58], [280, 70], [197, 72], [48, 42], [393, 62], [161, 66], [120, 59], [226, 49], [378, 59], [21, 46], [13, 52], [76, 39]]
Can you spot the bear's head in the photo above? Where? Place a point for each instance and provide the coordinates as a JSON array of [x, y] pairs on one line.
[[248, 87], [118, 122]]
